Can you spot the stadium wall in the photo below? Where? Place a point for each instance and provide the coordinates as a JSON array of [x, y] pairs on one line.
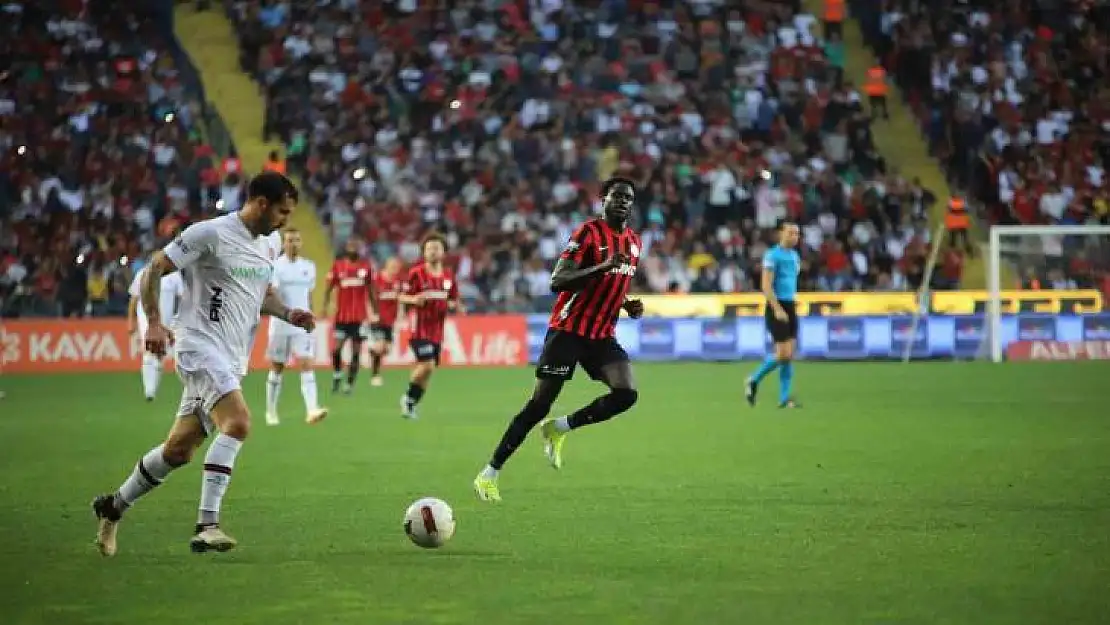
[[55, 346]]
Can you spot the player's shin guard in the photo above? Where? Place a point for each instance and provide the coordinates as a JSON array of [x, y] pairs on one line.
[[308, 390], [769, 364], [273, 392], [218, 463], [415, 393], [786, 381], [151, 374], [352, 367], [532, 413], [603, 408], [151, 470]]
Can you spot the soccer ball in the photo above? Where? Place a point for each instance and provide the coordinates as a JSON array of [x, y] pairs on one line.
[[429, 522]]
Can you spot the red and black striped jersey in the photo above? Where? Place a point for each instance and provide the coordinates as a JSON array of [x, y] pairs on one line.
[[593, 311], [438, 290]]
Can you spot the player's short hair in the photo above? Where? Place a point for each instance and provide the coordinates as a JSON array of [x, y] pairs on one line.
[[272, 187], [614, 181], [432, 236], [783, 223]]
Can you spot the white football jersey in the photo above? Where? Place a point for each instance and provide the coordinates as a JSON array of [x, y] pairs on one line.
[[172, 289], [294, 281], [226, 271]]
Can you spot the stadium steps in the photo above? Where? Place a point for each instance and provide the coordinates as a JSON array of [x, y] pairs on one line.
[[208, 39], [899, 139]]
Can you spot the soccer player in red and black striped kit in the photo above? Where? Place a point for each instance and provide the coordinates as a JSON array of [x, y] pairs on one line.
[[355, 304], [592, 278], [431, 289], [387, 288]]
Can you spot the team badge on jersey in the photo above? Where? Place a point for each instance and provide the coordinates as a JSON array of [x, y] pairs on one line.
[[635, 250]]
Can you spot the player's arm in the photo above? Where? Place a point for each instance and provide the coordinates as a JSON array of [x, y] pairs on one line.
[[411, 295], [371, 300], [132, 314], [767, 285], [569, 274], [332, 279], [150, 287], [272, 306], [454, 299]]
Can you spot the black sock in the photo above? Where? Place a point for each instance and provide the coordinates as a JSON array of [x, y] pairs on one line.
[[352, 371], [337, 362], [518, 429], [603, 408], [414, 393], [375, 363]]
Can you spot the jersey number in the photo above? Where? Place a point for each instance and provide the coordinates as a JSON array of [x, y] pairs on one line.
[[215, 304]]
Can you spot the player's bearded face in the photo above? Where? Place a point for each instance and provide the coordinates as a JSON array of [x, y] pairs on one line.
[[277, 215], [618, 202]]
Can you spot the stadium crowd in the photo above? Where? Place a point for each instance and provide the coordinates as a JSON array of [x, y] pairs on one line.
[[1015, 100], [496, 121], [101, 154]]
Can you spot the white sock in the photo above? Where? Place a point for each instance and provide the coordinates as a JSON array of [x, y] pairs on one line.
[[273, 391], [151, 373], [489, 472], [562, 424], [149, 472], [308, 390], [218, 463]]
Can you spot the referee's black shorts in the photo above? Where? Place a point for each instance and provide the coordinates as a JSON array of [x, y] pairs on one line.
[[782, 331]]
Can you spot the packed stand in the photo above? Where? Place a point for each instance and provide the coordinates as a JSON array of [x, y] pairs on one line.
[[1014, 97], [99, 161], [496, 122]]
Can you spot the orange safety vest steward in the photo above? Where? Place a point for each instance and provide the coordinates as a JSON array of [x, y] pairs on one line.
[[876, 82], [957, 218], [276, 166]]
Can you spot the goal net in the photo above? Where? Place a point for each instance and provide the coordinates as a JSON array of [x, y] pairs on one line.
[[1046, 291]]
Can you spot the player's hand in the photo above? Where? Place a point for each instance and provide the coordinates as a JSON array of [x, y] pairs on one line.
[[419, 299], [634, 308], [303, 319], [131, 330], [158, 339], [372, 318], [780, 314], [614, 261], [456, 307]]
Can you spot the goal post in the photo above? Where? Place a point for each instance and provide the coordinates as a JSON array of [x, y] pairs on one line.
[[1043, 253]]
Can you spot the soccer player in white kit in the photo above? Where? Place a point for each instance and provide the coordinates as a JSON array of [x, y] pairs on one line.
[[294, 280], [226, 264], [171, 291]]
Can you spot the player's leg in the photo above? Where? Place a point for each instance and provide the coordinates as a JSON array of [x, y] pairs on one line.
[[606, 362], [539, 405], [779, 331], [341, 336], [230, 420], [356, 358], [784, 350], [278, 352], [304, 349], [378, 349], [150, 471], [151, 373], [427, 360]]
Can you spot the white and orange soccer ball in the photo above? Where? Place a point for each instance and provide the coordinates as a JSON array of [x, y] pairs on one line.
[[429, 522]]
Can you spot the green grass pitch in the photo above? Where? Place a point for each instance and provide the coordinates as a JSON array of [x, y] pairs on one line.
[[934, 493]]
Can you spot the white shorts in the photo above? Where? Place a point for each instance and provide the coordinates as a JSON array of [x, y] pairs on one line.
[[301, 345], [207, 379]]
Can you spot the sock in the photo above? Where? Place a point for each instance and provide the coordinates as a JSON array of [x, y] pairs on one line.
[[769, 365], [786, 380], [603, 408], [337, 363], [308, 390], [414, 394], [218, 463], [151, 470], [273, 392], [352, 367], [532, 413], [562, 424], [151, 374], [375, 363], [489, 472]]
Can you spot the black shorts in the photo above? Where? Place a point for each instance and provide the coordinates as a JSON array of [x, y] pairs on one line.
[[349, 331], [379, 332], [562, 351], [782, 331], [425, 351]]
